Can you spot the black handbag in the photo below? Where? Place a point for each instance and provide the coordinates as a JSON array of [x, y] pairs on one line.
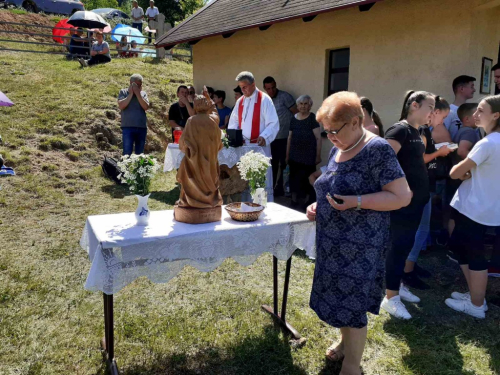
[[111, 170]]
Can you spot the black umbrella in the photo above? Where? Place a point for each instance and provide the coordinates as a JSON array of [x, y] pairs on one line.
[[87, 19]]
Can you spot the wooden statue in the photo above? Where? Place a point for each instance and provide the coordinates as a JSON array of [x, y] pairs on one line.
[[200, 200]]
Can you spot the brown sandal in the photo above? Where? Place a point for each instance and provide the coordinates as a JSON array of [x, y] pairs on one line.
[[334, 354]]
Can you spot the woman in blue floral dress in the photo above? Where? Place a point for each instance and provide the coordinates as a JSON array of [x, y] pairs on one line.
[[362, 183]]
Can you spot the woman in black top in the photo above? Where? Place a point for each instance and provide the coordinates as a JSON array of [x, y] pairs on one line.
[[303, 151], [411, 272], [404, 137]]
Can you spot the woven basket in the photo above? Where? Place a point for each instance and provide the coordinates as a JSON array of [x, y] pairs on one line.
[[243, 216]]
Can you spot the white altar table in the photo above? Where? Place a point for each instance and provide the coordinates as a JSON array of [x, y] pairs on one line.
[[121, 252]]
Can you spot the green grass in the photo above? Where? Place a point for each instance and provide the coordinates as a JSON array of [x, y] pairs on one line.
[[197, 323]]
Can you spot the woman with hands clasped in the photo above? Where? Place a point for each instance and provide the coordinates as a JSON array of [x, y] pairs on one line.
[[476, 205], [362, 182]]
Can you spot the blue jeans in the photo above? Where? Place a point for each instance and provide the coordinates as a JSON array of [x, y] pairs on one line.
[[137, 26], [133, 136], [423, 231]]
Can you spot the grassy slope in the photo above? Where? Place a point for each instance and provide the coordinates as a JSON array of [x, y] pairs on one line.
[[197, 323]]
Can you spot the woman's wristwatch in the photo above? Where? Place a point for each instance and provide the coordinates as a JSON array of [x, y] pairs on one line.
[[359, 203]]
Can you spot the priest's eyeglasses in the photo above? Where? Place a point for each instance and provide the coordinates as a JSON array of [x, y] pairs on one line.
[[335, 132]]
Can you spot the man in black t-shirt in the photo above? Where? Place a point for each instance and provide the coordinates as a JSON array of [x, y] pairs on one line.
[[179, 112]]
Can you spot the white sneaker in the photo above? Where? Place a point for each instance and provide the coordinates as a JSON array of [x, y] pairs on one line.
[[466, 296], [408, 296], [466, 306], [395, 307], [80, 60]]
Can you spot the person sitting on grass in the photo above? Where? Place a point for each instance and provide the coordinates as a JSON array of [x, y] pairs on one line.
[[224, 112], [134, 50], [78, 46], [99, 52], [123, 47]]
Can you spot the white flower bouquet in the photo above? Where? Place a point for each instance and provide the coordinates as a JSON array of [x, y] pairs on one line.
[[137, 172], [253, 168]]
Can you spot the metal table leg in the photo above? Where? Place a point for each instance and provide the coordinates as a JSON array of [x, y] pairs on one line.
[[107, 343], [280, 318]]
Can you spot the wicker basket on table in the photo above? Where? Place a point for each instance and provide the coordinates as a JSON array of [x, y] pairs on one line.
[[233, 208]]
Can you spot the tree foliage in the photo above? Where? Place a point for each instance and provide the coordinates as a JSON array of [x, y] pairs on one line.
[[174, 10], [96, 4]]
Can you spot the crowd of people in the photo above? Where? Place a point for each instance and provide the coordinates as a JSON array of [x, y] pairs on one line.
[[372, 201], [93, 49]]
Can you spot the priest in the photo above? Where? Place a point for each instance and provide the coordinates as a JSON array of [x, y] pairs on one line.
[[255, 114]]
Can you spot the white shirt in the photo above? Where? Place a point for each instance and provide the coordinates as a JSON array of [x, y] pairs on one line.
[[152, 12], [269, 123], [452, 122], [137, 13], [478, 198]]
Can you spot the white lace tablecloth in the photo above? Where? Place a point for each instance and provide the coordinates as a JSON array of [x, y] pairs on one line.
[[121, 252], [227, 156]]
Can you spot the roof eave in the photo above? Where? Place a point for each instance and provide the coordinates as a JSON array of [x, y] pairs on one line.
[[175, 42]]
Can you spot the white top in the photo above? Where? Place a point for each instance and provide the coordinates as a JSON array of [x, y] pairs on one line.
[[452, 122], [478, 198], [121, 251], [269, 123], [152, 12], [137, 13]]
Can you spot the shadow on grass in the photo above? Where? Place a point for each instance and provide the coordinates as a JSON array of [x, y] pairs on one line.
[[269, 354], [116, 191], [440, 340], [168, 197], [121, 191], [302, 254]]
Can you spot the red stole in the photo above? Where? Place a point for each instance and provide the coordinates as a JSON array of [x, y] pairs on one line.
[[255, 119]]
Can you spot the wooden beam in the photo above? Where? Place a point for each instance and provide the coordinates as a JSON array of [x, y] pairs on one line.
[[227, 35], [309, 19], [264, 28], [366, 7]]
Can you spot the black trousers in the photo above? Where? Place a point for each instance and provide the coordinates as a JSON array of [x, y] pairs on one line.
[[99, 59], [404, 226], [467, 242], [278, 162], [299, 180], [495, 257]]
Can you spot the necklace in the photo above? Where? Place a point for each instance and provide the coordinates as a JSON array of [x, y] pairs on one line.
[[357, 143]]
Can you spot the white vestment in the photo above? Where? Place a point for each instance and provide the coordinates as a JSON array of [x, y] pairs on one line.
[[269, 127]]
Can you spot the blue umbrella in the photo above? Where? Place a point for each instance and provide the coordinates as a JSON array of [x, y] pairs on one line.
[[131, 33]]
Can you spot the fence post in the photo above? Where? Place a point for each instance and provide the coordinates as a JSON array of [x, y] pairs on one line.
[[160, 30]]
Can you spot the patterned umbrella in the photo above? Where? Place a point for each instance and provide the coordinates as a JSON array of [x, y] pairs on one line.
[[4, 101], [57, 31]]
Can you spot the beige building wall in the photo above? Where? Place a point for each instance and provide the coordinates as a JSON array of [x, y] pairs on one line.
[[396, 46]]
